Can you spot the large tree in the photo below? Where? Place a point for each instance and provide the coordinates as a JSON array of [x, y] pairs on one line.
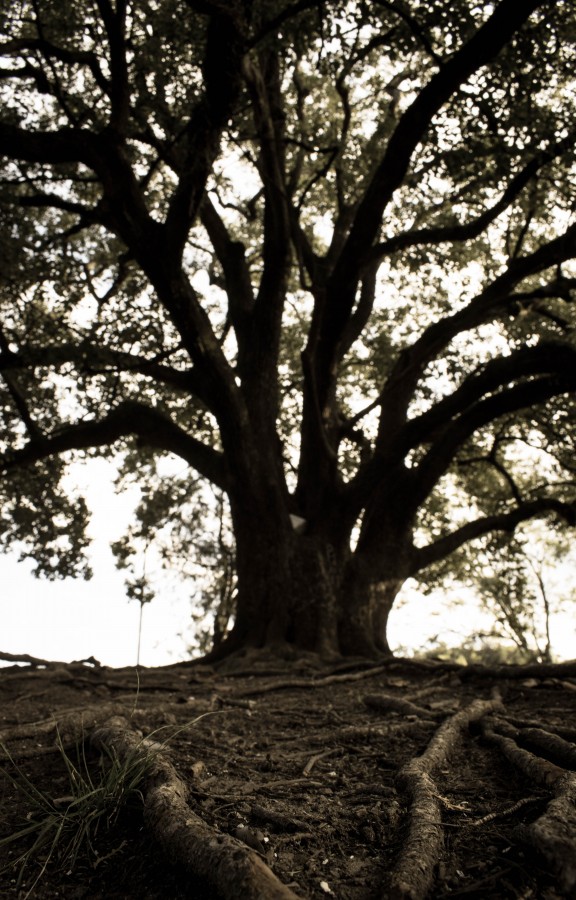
[[319, 251]]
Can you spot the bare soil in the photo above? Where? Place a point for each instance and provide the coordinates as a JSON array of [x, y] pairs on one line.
[[281, 779]]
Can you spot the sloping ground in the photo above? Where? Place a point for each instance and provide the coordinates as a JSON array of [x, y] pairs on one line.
[[273, 780]]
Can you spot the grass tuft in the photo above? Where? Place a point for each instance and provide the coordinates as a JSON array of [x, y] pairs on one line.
[[60, 830]]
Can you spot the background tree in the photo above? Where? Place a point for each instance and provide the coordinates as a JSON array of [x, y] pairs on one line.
[[320, 252]]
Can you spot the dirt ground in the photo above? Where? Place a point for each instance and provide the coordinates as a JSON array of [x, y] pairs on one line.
[[276, 779]]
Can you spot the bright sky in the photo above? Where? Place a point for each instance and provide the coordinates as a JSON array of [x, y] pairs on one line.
[[75, 619], [66, 620]]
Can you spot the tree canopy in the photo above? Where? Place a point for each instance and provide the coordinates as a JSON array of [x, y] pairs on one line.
[[323, 254]]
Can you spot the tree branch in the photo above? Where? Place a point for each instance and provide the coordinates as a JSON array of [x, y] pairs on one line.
[[62, 54], [119, 93], [96, 359], [492, 302], [43, 200], [444, 546], [441, 454], [231, 255], [413, 25], [273, 24], [546, 357], [152, 427], [473, 228], [263, 78], [332, 316], [63, 146], [484, 45], [221, 69], [15, 393]]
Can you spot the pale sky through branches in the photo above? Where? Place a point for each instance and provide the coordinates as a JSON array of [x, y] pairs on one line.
[[67, 620]]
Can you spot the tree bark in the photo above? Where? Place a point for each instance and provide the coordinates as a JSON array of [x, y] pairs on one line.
[[307, 592], [365, 609], [287, 593]]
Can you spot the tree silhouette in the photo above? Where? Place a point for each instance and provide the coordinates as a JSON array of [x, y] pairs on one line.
[[322, 253]]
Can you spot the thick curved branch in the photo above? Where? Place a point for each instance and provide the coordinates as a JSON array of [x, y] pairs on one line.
[[332, 319], [92, 359], [123, 209], [522, 396], [63, 146], [444, 546], [221, 69], [130, 419], [469, 230], [46, 200], [484, 45], [546, 357], [494, 301], [125, 213]]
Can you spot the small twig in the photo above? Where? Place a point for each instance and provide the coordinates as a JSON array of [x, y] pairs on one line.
[[314, 759], [504, 813]]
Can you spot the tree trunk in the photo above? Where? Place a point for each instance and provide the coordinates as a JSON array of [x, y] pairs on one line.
[[287, 594], [365, 608], [298, 590]]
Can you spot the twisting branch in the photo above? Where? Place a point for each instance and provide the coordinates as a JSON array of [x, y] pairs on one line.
[[399, 8], [491, 459], [63, 54], [469, 230], [486, 43], [332, 316], [496, 300], [522, 396], [221, 69], [92, 359], [152, 427], [507, 521], [546, 357]]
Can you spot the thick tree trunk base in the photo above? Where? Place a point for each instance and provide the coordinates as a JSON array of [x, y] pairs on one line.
[[301, 594]]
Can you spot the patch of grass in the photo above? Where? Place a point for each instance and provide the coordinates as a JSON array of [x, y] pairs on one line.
[[61, 829]]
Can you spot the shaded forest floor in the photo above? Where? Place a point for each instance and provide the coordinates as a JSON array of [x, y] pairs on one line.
[[268, 779]]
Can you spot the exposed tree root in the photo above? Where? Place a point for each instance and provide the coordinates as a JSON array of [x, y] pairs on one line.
[[569, 734], [291, 683], [72, 725], [231, 869], [553, 833], [387, 703], [37, 662], [554, 748], [217, 839], [534, 670], [413, 874], [504, 736]]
